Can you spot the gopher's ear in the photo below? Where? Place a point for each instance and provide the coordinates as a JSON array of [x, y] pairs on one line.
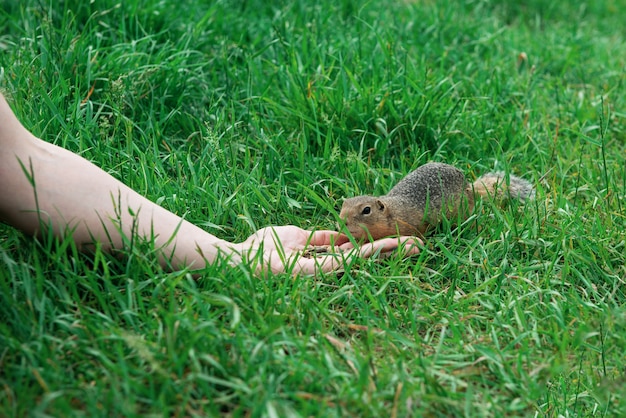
[[380, 204]]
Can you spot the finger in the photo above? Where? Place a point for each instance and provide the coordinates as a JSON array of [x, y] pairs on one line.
[[411, 245], [387, 244], [321, 264], [326, 237], [296, 263], [408, 245]]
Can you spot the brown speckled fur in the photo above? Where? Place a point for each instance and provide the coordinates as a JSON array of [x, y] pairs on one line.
[[423, 198]]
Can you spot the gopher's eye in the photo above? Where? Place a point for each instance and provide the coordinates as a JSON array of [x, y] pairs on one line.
[[366, 210]]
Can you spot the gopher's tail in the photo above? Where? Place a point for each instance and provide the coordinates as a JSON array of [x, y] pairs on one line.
[[495, 185]]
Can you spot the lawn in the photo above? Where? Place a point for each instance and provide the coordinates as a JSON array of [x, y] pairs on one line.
[[244, 114]]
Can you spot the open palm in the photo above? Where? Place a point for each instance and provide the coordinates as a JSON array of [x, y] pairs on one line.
[[290, 248]]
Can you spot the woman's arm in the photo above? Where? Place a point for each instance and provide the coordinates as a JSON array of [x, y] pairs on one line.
[[45, 186]]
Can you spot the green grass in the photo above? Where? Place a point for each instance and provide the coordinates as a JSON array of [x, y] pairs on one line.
[[240, 115]]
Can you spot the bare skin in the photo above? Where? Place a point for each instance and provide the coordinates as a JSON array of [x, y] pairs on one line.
[[74, 197]]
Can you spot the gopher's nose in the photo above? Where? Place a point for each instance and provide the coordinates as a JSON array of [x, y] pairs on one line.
[[341, 223], [342, 219]]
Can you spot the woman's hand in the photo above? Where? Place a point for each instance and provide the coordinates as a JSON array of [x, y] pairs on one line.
[[289, 248]]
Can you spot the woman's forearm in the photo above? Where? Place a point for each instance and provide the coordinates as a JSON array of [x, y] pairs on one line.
[[45, 186]]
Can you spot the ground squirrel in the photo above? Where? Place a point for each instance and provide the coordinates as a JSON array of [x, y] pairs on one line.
[[423, 198]]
